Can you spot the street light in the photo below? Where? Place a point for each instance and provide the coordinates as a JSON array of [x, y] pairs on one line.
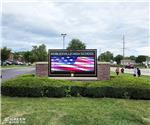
[[63, 35]]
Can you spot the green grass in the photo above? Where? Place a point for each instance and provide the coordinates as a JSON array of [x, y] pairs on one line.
[[77, 111], [124, 80], [15, 66]]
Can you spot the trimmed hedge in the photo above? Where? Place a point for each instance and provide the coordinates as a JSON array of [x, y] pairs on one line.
[[30, 86], [94, 92]]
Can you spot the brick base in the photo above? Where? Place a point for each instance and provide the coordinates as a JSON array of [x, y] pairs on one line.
[[103, 70], [42, 69]]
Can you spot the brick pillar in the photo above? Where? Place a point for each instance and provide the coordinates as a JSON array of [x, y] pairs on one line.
[[42, 69], [103, 71]]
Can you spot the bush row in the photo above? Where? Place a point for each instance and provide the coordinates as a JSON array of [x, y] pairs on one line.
[[65, 91], [118, 87]]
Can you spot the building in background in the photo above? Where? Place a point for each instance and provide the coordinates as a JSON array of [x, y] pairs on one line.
[[127, 62], [11, 57]]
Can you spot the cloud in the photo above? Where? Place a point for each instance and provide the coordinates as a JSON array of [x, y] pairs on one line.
[[100, 25]]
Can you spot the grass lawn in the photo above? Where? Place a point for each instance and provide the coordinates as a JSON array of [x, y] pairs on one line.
[[15, 66], [77, 111]]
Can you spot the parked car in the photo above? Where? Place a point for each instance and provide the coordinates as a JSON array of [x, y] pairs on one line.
[[17, 63], [8, 62], [20, 63], [14, 63], [130, 66]]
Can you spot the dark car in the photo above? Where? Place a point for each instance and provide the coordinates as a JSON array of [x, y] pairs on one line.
[[129, 66], [14, 62]]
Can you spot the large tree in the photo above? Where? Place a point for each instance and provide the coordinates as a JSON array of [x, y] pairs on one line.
[[76, 44], [106, 56], [141, 58], [118, 58], [5, 52]]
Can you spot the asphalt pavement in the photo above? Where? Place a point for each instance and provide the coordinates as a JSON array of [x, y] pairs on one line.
[[14, 72]]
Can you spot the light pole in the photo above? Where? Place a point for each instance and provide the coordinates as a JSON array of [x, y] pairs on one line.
[[63, 35]]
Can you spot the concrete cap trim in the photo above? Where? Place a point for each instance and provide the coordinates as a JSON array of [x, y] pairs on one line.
[[41, 62], [74, 78], [97, 63], [103, 63]]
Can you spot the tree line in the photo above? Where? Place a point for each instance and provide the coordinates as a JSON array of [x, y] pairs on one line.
[[108, 56], [39, 53]]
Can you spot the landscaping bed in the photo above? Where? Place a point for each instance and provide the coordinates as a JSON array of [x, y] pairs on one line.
[[123, 86]]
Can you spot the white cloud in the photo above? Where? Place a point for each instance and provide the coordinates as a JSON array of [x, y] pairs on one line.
[[99, 24]]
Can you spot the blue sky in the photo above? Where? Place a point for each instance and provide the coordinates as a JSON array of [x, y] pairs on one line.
[[100, 25]]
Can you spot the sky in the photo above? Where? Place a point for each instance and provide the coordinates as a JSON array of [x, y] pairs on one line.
[[99, 24]]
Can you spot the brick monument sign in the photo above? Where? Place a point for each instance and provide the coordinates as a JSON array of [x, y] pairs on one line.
[[73, 64]]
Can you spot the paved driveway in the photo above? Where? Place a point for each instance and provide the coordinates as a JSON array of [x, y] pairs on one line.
[[12, 73]]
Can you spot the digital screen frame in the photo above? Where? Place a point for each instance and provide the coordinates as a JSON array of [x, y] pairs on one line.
[[57, 66]]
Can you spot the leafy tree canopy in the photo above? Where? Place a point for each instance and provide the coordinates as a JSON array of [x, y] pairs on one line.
[[76, 44], [141, 58], [118, 58], [106, 56], [5, 52]]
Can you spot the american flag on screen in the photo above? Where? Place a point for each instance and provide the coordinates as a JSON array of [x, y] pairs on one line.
[[72, 63]]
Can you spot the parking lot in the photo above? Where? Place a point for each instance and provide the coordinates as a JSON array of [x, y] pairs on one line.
[[13, 72]]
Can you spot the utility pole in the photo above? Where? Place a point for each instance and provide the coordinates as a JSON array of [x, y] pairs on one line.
[[63, 35], [123, 46]]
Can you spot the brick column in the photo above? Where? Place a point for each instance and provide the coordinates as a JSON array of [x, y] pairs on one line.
[[103, 71], [42, 69]]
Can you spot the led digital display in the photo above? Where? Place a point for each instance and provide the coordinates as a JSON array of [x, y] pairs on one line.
[[72, 63], [78, 62]]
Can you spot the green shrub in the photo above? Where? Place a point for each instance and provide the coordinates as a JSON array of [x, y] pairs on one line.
[[68, 91], [77, 91], [54, 91], [22, 91], [117, 87]]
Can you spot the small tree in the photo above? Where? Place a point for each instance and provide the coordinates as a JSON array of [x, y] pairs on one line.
[[27, 56], [106, 56], [132, 57], [39, 53], [5, 52], [118, 58], [76, 44]]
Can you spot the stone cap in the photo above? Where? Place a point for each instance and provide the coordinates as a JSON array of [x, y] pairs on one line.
[[97, 62], [41, 62], [103, 63]]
